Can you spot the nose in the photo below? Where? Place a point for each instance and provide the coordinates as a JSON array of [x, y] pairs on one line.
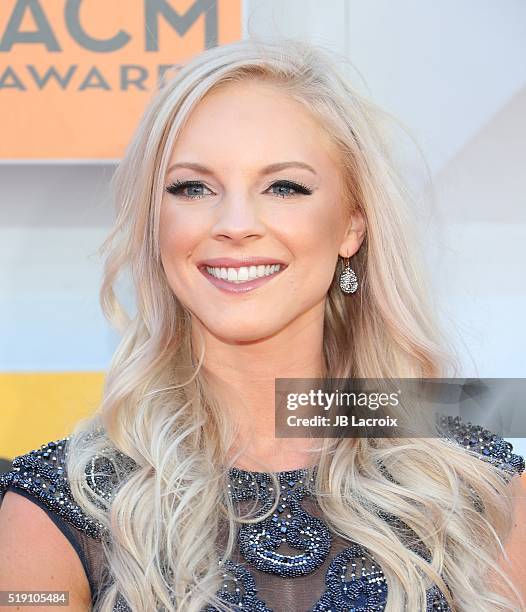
[[238, 217]]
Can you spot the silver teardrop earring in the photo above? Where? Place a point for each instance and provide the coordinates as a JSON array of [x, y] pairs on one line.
[[348, 279]]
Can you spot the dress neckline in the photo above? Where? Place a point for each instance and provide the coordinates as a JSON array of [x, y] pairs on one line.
[[237, 472]]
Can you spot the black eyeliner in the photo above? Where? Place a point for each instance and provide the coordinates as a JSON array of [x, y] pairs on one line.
[[299, 187], [175, 187]]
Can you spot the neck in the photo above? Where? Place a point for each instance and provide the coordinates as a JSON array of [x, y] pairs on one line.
[[248, 371]]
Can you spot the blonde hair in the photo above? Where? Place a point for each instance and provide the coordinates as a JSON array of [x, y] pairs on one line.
[[164, 412]]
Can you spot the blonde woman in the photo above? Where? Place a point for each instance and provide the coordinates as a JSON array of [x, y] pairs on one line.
[[267, 236]]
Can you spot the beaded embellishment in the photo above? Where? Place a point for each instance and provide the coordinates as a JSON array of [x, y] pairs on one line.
[[491, 447], [239, 589], [353, 580], [40, 472], [259, 543]]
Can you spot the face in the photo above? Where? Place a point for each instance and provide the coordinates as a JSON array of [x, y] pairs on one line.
[[253, 183]]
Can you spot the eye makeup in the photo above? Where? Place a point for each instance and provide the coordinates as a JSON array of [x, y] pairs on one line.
[[177, 188]]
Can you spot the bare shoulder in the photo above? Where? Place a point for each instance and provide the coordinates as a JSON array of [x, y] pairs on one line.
[[513, 561], [37, 556], [516, 545]]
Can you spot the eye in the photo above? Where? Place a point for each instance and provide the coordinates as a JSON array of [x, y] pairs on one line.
[[177, 188], [287, 185]]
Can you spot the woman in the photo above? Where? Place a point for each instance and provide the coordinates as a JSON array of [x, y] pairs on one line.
[[253, 178]]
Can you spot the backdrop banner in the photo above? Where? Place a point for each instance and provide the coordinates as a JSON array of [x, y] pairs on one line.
[[76, 75]]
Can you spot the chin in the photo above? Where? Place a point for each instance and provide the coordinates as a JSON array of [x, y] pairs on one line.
[[236, 333]]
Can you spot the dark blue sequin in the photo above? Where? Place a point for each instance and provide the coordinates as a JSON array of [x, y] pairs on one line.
[[492, 448], [289, 524], [239, 590], [364, 591], [41, 473]]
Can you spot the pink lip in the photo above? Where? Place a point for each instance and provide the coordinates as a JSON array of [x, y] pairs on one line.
[[230, 287]]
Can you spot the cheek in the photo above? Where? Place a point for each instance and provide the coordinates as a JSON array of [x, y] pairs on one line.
[[173, 246], [313, 236], [179, 233], [314, 246]]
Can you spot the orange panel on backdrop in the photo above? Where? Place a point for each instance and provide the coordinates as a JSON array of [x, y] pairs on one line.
[[76, 75]]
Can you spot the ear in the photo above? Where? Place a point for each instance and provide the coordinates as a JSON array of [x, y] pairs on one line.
[[354, 235]]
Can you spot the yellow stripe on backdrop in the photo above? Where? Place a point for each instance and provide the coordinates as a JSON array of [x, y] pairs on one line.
[[39, 407]]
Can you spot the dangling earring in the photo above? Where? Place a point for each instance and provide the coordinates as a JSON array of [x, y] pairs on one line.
[[348, 280]]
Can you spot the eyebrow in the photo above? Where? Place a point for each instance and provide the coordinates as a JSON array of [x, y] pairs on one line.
[[266, 170]]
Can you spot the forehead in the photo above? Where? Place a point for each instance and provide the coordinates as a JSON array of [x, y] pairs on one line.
[[251, 120]]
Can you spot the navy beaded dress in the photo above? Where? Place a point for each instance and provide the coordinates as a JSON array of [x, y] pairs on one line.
[[288, 562]]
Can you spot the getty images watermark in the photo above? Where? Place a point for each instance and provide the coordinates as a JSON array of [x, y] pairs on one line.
[[338, 399], [396, 407]]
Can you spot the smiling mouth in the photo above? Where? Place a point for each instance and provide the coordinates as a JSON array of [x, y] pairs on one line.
[[243, 274]]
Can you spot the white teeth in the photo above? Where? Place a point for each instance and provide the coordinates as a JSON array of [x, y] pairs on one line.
[[244, 273]]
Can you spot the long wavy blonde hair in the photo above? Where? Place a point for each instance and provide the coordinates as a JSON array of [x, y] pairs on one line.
[[161, 409]]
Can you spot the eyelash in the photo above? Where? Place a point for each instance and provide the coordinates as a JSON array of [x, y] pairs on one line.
[[176, 188]]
